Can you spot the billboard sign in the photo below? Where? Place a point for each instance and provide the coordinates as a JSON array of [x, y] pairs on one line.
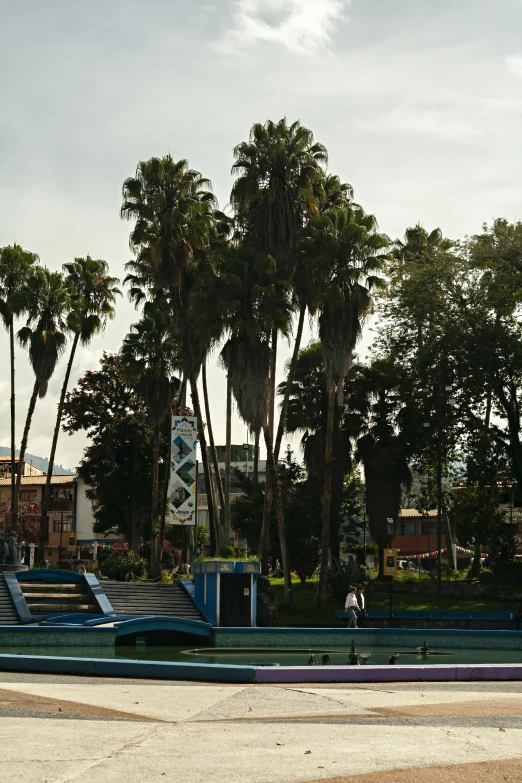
[[182, 486]]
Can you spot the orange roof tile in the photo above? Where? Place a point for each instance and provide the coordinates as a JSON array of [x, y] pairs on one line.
[[32, 480]]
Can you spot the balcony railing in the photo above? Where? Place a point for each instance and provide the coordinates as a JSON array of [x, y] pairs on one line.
[[55, 506]]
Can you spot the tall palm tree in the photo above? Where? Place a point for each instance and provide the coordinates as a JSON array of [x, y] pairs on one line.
[[93, 294], [278, 171], [420, 244], [151, 355], [257, 305], [15, 265], [44, 299], [174, 210], [347, 251], [330, 192]]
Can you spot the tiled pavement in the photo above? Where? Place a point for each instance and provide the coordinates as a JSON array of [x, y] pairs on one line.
[[58, 729]]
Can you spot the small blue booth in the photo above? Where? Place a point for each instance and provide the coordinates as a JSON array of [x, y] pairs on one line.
[[226, 591]]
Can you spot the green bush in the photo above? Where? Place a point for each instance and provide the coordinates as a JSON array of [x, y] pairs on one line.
[[343, 575], [227, 551], [119, 564]]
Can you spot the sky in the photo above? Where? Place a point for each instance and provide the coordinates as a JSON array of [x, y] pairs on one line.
[[418, 103]]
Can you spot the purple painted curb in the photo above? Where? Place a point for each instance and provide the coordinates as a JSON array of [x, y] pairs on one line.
[[440, 672]]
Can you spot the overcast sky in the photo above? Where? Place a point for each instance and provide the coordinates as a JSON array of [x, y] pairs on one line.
[[419, 103]]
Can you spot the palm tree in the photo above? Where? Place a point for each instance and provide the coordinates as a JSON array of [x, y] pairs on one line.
[[307, 394], [380, 425], [45, 300], [346, 250], [15, 265], [175, 215], [151, 355], [330, 192], [92, 294], [278, 170], [419, 244], [257, 306]]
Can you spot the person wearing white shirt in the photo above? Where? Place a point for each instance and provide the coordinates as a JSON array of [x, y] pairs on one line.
[[351, 607], [362, 606]]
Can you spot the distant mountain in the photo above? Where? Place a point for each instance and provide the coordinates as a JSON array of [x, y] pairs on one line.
[[38, 462]]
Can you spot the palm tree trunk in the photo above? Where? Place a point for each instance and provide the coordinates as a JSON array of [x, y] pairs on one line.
[[13, 412], [166, 480], [25, 438], [213, 453], [155, 564], [327, 498], [285, 562], [289, 381], [47, 488], [256, 458], [267, 508], [214, 535], [228, 450]]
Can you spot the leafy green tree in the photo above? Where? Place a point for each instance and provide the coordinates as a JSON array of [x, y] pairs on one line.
[[44, 299], [92, 293], [15, 265], [348, 252], [117, 463]]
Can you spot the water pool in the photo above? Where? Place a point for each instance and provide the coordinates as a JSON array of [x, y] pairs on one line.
[[270, 656]]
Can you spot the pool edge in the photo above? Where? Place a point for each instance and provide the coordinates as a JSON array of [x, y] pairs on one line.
[[433, 673]]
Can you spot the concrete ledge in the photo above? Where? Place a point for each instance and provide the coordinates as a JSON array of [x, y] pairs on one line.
[[435, 673], [63, 635], [109, 667], [342, 637]]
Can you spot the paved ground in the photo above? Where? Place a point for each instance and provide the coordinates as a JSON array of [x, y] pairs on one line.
[[58, 729]]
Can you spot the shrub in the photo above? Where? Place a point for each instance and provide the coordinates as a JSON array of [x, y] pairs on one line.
[[343, 575], [119, 564], [170, 558], [227, 551]]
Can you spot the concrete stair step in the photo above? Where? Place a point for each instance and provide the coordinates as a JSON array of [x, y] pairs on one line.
[[61, 596], [36, 586], [38, 608]]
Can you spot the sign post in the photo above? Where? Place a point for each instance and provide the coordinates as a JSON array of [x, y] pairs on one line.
[[183, 466], [72, 545]]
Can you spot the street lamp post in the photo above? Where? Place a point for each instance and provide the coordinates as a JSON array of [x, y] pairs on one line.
[[389, 525], [440, 388], [62, 496], [364, 527]]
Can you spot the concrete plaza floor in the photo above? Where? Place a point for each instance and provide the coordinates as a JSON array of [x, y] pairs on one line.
[[55, 729]]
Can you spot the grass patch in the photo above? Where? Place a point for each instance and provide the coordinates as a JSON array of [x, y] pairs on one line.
[[416, 602], [305, 613]]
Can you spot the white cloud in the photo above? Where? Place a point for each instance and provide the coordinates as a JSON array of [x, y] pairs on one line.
[[514, 64], [298, 25]]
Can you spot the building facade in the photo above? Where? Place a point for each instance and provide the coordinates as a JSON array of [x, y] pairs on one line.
[[60, 513]]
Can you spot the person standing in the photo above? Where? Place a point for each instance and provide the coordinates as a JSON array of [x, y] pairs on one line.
[[362, 606], [351, 607]]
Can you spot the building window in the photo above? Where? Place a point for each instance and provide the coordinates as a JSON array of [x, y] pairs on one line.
[[428, 528], [28, 494], [67, 525], [406, 528]]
